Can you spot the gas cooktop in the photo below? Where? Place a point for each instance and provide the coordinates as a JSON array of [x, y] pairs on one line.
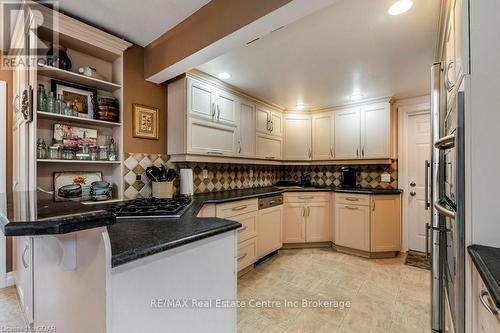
[[150, 207]]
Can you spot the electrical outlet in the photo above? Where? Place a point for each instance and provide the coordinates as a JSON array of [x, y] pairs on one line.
[[251, 173], [385, 178], [205, 173]]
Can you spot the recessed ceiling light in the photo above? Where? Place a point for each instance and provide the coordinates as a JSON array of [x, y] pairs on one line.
[[356, 97], [223, 76], [300, 106], [400, 6]]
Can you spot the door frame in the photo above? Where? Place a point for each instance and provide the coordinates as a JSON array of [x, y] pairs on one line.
[[407, 108], [3, 177]]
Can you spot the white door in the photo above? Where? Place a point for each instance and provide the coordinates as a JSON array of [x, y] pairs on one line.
[[322, 133], [201, 100], [418, 148], [226, 108], [246, 143], [375, 133], [347, 134], [297, 144]]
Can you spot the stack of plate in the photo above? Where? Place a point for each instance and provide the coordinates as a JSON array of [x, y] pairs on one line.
[[100, 191]]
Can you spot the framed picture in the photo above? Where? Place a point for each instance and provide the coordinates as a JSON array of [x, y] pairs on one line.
[[84, 98], [71, 136], [145, 122], [74, 185]]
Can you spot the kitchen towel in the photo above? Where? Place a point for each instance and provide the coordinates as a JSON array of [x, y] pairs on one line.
[[187, 186]]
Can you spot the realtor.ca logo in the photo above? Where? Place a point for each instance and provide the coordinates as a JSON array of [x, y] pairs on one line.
[[29, 33]]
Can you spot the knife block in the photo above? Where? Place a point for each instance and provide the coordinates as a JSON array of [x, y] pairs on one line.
[[163, 190]]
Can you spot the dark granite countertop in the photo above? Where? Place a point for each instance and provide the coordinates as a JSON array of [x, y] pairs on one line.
[[36, 213], [487, 262]]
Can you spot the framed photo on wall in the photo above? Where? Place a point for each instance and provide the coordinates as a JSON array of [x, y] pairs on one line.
[[84, 98], [145, 122]]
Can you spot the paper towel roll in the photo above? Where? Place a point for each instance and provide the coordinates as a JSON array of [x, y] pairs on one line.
[[187, 185]]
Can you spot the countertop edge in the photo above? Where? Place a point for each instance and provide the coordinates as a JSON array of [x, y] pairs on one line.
[[490, 281], [129, 256]]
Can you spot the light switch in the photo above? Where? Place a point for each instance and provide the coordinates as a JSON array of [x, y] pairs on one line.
[[385, 178], [205, 174]]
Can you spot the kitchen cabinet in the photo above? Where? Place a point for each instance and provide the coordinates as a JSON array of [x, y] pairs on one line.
[[246, 131], [385, 223], [270, 226], [24, 273], [207, 137], [201, 100], [486, 316], [347, 134], [375, 131], [269, 122], [307, 218], [322, 136], [297, 140], [269, 147], [352, 226], [368, 224]]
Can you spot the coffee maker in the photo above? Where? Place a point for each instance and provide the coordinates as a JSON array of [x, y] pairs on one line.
[[348, 177]]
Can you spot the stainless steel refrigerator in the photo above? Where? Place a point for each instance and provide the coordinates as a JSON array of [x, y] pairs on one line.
[[446, 202]]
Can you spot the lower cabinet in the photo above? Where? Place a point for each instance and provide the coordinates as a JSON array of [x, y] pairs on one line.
[[306, 218], [270, 230], [486, 316], [247, 253], [368, 223], [23, 273]]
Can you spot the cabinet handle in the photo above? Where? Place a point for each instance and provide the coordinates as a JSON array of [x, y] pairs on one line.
[[270, 157], [303, 211], [351, 207], [308, 211], [239, 207], [272, 126], [218, 112], [243, 228], [357, 152], [373, 206], [363, 152], [332, 154], [482, 295], [310, 152], [306, 197], [214, 153], [351, 199], [239, 147], [213, 110], [242, 256], [23, 257]]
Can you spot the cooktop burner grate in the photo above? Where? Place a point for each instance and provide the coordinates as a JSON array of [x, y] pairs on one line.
[[150, 207]]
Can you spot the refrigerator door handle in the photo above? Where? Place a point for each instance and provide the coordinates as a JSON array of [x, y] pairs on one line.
[[446, 142], [427, 202], [443, 210]]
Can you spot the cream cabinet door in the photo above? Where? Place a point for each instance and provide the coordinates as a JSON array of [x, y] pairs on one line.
[[207, 137], [297, 140], [262, 120], [385, 223], [201, 100], [486, 322], [268, 147], [347, 134], [226, 108], [352, 226], [270, 230], [246, 141], [322, 137], [294, 223], [276, 123], [318, 222], [375, 131]]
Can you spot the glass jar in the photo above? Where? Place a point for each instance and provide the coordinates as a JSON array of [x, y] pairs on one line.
[[59, 105], [54, 153], [83, 152], [41, 98], [50, 103], [103, 153], [68, 154], [93, 153], [41, 149], [68, 111]]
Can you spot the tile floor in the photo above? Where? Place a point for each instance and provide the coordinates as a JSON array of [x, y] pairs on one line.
[[10, 310], [385, 294]]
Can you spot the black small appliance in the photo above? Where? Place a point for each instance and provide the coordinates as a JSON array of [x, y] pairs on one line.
[[348, 177]]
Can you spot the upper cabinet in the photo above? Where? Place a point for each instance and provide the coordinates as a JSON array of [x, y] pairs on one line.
[[298, 145], [375, 131], [322, 136], [269, 122], [246, 133], [347, 134]]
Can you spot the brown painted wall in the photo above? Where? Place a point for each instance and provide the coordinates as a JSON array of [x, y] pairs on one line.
[[6, 75], [137, 90], [210, 23]]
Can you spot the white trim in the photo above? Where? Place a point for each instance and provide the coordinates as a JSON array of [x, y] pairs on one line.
[[9, 279], [3, 176], [419, 105]]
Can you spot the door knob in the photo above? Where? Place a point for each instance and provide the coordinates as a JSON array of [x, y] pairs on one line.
[[413, 193], [412, 184]]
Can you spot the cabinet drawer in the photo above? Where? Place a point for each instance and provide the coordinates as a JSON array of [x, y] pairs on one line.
[[307, 197], [249, 226], [247, 252], [352, 199], [231, 209]]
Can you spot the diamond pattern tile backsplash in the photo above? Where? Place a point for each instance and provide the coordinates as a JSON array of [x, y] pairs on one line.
[[222, 177]]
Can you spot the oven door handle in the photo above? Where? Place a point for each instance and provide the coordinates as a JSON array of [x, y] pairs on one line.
[[444, 211]]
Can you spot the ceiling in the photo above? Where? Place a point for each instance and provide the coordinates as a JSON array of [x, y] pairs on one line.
[[347, 48], [139, 22]]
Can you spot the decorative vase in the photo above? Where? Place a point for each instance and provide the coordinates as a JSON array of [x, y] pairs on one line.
[[57, 57]]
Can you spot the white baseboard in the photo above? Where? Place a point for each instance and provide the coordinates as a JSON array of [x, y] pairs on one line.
[[9, 279]]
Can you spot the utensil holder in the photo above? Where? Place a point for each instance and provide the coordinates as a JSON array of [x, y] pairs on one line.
[[163, 190]]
